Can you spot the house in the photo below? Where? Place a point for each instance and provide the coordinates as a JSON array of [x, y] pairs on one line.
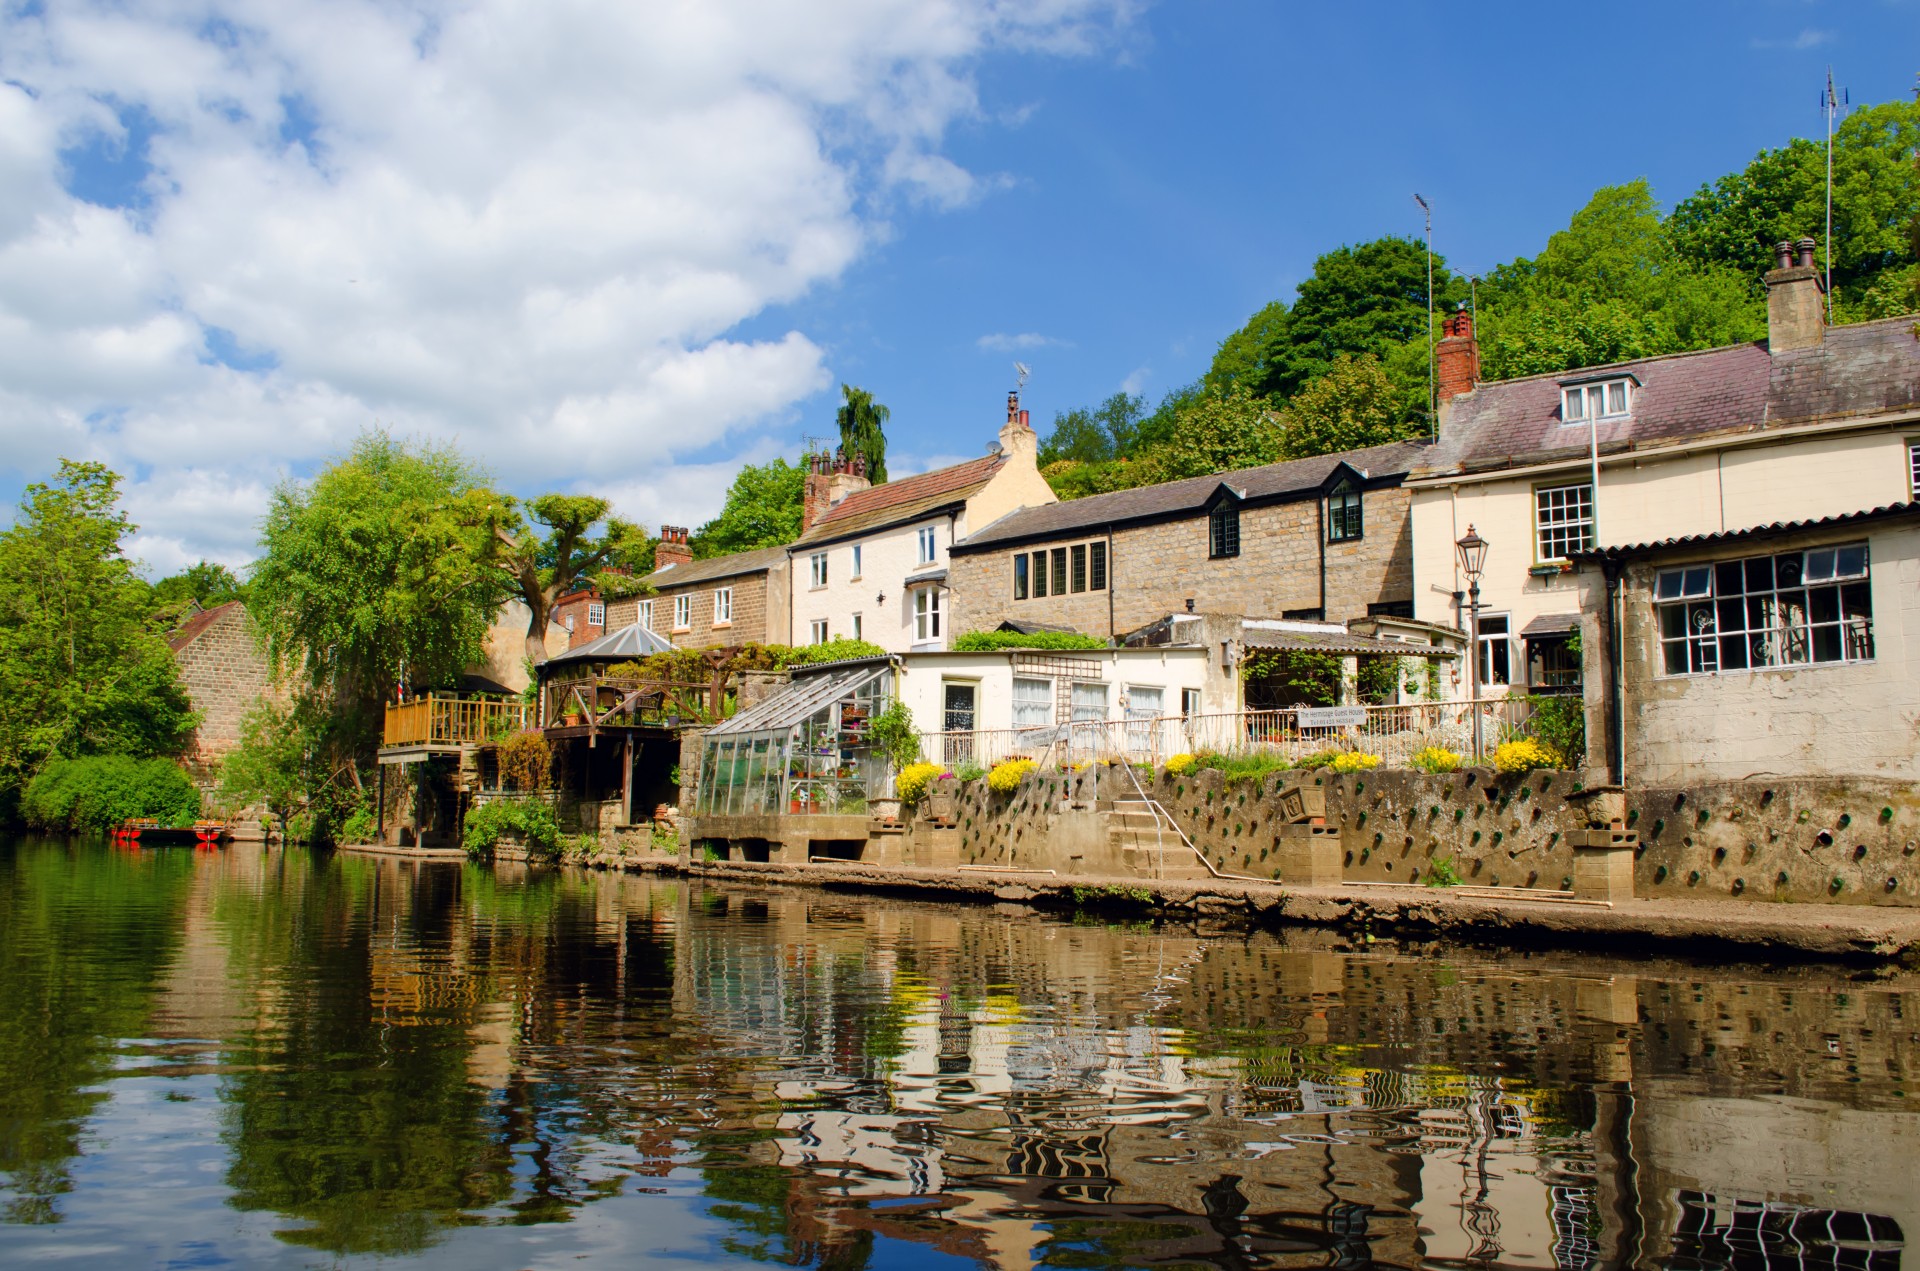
[[742, 598], [871, 562], [1781, 650], [226, 675], [1313, 539], [1813, 422]]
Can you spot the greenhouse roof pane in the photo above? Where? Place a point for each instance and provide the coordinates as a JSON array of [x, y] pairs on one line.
[[804, 697]]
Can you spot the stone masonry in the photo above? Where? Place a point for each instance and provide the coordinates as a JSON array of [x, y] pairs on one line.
[[225, 674], [750, 612]]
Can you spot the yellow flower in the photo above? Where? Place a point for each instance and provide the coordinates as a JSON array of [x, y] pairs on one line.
[[1180, 764], [1436, 759], [914, 779], [1355, 761], [1006, 777], [1526, 754]]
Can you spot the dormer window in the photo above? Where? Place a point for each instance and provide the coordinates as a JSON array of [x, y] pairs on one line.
[[1223, 531], [1343, 513], [1597, 399]]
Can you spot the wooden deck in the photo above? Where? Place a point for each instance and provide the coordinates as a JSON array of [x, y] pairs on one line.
[[443, 722]]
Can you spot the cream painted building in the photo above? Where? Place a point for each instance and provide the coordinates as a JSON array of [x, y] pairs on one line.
[[871, 561]]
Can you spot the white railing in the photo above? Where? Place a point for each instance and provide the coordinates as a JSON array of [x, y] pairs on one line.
[[1395, 733]]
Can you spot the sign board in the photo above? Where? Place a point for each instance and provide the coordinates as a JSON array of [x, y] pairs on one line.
[[1331, 716]]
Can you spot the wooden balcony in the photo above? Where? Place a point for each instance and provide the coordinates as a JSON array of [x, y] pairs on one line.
[[444, 722]]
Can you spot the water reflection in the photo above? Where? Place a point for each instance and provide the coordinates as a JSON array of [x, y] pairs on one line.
[[477, 1068]]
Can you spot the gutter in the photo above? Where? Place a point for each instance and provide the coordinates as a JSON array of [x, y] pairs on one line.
[[1616, 706]]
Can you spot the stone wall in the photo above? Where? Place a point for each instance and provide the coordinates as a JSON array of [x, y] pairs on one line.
[[225, 674], [759, 611]]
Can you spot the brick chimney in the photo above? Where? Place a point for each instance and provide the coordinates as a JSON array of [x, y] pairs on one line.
[[1796, 310], [1456, 357], [672, 549], [830, 478], [1017, 439]]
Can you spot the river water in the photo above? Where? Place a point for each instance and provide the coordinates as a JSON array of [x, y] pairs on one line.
[[249, 1058]]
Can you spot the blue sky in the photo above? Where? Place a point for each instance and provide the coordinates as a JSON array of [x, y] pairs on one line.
[[615, 247]]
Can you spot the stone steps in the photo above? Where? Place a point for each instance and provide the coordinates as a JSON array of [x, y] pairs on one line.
[[1149, 847]]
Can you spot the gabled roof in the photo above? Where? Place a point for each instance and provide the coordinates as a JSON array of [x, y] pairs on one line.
[[1868, 369], [898, 502], [193, 628], [631, 641], [1190, 497], [758, 561]]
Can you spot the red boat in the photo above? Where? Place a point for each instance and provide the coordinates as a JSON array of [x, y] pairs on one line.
[[148, 832]]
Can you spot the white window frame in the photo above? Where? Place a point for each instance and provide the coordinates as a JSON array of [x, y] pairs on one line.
[[1913, 468], [1751, 610], [683, 612], [1489, 640], [856, 561], [723, 606], [1558, 512], [596, 613], [929, 610], [817, 564], [1612, 398], [1032, 702], [817, 631], [1082, 711], [645, 614], [857, 633], [567, 622], [1189, 703], [929, 548]]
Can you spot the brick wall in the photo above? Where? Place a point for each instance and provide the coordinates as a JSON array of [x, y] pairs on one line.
[[1155, 569], [226, 675], [750, 611]]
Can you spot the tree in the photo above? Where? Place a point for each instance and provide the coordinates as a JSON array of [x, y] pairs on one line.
[[762, 510], [1216, 434], [81, 670], [1108, 431], [1353, 405], [1250, 358], [540, 568], [863, 430], [270, 765], [204, 583]]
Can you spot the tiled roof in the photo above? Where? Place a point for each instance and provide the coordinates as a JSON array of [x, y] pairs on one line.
[[899, 501], [193, 627], [757, 561], [1188, 497], [1891, 511], [1870, 368]]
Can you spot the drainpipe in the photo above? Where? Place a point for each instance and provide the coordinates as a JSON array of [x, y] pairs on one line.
[[1616, 708], [1320, 510], [1110, 625]]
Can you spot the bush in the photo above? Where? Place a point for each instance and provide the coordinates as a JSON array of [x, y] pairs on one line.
[[357, 828], [892, 734], [99, 792], [1318, 759], [532, 820], [1442, 873], [1355, 761], [914, 781], [1525, 755], [1248, 767], [988, 641], [1560, 721], [1435, 759], [969, 771], [1006, 777], [526, 760], [1180, 765], [839, 650]]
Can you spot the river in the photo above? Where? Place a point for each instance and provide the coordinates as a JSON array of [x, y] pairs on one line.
[[272, 1059]]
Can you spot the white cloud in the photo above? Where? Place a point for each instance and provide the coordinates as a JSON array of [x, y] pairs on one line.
[[1137, 380], [527, 226], [1806, 39], [1001, 342]]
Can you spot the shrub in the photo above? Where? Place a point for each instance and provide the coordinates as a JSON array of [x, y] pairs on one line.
[[1006, 777], [1435, 759], [988, 641], [969, 771], [1180, 765], [840, 650], [1355, 761], [1524, 755], [358, 827], [892, 734], [526, 760], [1560, 721], [914, 781], [99, 792], [1248, 767], [532, 820], [1318, 759]]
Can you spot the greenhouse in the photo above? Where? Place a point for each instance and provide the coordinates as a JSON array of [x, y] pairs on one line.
[[805, 751]]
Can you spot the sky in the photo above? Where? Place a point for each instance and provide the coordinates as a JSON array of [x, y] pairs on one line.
[[624, 246]]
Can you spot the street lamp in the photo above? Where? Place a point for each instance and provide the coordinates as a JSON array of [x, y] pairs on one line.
[[1473, 559]]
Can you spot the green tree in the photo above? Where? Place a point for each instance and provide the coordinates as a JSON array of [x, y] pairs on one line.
[[762, 510], [1216, 434], [1251, 357], [863, 430], [540, 567], [82, 672], [270, 765], [1108, 431], [1354, 404], [204, 583]]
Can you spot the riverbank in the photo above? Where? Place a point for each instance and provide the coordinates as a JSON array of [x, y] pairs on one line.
[[1726, 929]]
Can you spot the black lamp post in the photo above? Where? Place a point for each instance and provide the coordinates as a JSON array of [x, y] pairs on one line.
[[1473, 559]]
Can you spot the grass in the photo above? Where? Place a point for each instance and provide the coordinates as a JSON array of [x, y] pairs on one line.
[[1248, 767]]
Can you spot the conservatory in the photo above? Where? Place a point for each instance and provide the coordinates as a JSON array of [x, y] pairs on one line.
[[803, 751]]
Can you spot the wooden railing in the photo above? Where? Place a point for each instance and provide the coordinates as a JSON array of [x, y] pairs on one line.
[[445, 720]]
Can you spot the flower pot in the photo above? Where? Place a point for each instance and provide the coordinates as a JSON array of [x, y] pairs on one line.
[[884, 809]]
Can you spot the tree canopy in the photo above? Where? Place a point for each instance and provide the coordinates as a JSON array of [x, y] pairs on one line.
[[863, 430], [554, 549], [762, 510]]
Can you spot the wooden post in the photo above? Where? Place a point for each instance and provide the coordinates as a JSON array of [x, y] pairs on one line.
[[626, 783], [380, 815]]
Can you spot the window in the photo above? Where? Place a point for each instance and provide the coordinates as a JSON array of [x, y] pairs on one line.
[[1580, 402], [646, 614], [1032, 703], [1496, 649], [1343, 513], [1913, 469], [1223, 531], [856, 626], [1040, 574], [1079, 569], [1145, 701], [682, 612], [958, 713], [1563, 520], [1553, 666], [926, 614], [817, 631], [1096, 566], [1059, 571], [856, 562], [1189, 702], [1089, 703], [567, 622], [1793, 609], [722, 606], [927, 549], [818, 563], [1020, 576], [596, 614]]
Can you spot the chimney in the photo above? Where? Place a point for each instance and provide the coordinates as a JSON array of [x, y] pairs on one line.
[[830, 478], [1796, 317], [1456, 357], [1017, 439], [672, 548]]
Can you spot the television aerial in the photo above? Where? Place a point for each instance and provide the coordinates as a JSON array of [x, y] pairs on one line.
[[1024, 371]]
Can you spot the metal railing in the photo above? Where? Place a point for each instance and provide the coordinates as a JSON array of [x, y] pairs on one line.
[[439, 719]]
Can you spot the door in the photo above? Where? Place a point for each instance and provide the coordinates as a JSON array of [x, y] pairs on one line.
[[957, 721]]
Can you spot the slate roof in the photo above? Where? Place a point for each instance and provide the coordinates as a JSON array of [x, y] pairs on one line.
[[1777, 529], [906, 499], [757, 561], [1869, 368], [1189, 497]]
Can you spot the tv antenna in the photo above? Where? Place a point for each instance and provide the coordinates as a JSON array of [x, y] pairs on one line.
[[1022, 371], [1830, 104], [1433, 422]]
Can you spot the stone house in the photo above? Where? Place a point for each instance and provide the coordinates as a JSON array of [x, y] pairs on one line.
[[1777, 651], [1812, 422], [871, 562], [1320, 539], [225, 674], [742, 598]]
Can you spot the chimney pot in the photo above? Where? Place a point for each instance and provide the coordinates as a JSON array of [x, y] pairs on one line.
[[1783, 255], [1806, 247], [1456, 357], [1796, 312]]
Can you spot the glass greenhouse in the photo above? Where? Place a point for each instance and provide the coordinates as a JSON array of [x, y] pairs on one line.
[[803, 751]]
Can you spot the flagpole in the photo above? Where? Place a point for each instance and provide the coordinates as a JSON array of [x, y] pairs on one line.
[[1829, 239]]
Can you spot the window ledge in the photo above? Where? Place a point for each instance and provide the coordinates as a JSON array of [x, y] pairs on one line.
[[1551, 568]]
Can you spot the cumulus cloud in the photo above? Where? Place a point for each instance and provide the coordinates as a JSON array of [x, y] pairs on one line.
[[235, 232], [1000, 342]]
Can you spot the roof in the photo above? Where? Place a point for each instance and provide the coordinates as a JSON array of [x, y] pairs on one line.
[[1863, 370], [1342, 642], [1757, 533], [1189, 497], [758, 561], [193, 628], [1550, 624], [906, 499], [804, 696], [631, 641]]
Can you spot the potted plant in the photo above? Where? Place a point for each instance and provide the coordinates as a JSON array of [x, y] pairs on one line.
[[893, 738]]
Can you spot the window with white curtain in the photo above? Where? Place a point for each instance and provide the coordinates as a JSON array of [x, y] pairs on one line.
[[1032, 703]]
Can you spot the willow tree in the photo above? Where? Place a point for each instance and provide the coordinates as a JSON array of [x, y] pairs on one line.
[[554, 550], [863, 430]]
